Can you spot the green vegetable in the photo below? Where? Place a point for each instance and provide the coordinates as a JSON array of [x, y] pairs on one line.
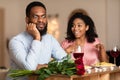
[[19, 73], [66, 67]]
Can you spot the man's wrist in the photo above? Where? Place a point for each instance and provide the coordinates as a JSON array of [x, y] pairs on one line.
[[38, 38]]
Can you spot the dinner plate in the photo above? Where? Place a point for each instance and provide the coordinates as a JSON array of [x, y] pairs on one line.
[[104, 64], [88, 67]]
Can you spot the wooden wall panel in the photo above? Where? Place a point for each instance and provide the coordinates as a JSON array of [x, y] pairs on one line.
[[1, 37]]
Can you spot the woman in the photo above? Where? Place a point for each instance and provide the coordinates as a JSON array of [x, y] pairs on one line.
[[81, 32]]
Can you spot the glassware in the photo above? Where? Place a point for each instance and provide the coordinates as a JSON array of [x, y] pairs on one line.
[[78, 53], [115, 53]]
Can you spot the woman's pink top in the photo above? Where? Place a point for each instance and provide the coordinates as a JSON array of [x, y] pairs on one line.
[[90, 51]]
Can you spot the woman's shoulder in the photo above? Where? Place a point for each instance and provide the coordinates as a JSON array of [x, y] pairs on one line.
[[65, 43], [97, 40]]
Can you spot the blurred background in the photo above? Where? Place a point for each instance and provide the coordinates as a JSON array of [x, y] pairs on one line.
[[105, 14]]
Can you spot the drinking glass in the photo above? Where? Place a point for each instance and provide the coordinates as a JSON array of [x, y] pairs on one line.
[[78, 53], [115, 53]]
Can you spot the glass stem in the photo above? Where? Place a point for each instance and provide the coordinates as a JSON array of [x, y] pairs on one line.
[[114, 60]]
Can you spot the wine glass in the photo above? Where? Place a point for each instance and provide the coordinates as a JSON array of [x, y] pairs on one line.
[[78, 53], [114, 53]]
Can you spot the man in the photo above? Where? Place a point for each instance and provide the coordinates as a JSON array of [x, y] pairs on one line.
[[34, 47]]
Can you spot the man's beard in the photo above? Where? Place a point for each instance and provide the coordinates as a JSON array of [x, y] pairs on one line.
[[44, 31]]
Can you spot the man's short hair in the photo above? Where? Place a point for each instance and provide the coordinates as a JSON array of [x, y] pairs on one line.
[[33, 4]]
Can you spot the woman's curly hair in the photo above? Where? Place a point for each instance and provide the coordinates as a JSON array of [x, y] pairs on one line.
[[90, 33]]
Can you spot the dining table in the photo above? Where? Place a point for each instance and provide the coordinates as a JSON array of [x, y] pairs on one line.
[[97, 73]]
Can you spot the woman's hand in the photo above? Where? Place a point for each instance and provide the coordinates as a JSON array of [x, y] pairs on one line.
[[70, 49], [102, 53]]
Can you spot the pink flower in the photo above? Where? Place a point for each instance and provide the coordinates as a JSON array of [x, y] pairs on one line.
[[80, 72], [79, 61], [79, 66]]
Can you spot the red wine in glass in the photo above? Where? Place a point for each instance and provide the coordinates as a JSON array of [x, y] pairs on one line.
[[114, 54], [78, 55]]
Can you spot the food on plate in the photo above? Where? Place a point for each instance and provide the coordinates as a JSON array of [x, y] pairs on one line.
[[104, 64], [87, 67]]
